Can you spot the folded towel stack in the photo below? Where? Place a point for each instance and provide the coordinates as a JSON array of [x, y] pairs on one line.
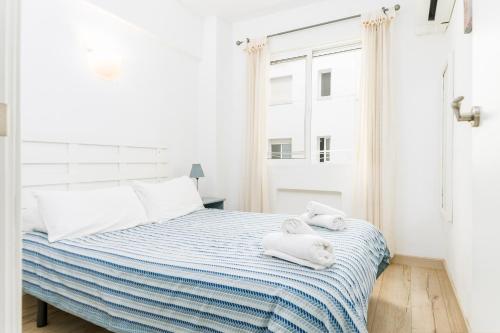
[[299, 243], [308, 250], [321, 215]]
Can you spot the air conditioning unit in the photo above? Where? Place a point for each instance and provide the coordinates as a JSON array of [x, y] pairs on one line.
[[434, 15]]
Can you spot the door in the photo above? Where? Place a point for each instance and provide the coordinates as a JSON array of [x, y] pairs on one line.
[[486, 167], [10, 277]]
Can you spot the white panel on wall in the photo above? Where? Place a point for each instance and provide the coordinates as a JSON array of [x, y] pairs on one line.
[[330, 184], [294, 201]]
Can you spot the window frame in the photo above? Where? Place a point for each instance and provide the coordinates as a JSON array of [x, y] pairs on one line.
[[320, 84], [327, 152], [308, 54], [281, 142]]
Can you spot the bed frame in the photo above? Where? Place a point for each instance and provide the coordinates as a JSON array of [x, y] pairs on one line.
[[41, 314], [59, 165], [80, 166]]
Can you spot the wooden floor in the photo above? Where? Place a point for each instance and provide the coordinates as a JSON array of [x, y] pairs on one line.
[[417, 299], [406, 298]]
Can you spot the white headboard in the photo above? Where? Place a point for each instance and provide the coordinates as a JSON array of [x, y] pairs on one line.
[[80, 166]]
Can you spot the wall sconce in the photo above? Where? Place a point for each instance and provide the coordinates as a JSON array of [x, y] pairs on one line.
[[107, 65], [473, 117]]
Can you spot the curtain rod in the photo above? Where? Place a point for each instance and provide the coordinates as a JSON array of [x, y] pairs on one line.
[[384, 9]]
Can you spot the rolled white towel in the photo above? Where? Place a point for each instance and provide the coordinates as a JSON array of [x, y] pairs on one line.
[[295, 225], [332, 222], [317, 208], [307, 250]]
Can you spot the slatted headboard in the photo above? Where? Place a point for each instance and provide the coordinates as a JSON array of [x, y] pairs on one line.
[[80, 166]]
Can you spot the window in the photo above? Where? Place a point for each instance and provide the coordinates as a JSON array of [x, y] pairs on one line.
[[281, 90], [280, 148], [324, 149], [318, 108], [325, 83]]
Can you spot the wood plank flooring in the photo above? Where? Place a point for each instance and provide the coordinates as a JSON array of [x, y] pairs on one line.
[[414, 299], [405, 298]]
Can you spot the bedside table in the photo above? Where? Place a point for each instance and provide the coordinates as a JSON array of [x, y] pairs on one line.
[[216, 203]]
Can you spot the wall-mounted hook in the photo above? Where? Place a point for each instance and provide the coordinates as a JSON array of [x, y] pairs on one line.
[[473, 117], [239, 42]]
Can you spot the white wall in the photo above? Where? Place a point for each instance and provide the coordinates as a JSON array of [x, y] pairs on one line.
[[417, 66], [214, 88], [207, 108], [153, 102], [168, 19], [225, 111]]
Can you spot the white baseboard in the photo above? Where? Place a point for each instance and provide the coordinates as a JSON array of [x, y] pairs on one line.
[[456, 295]]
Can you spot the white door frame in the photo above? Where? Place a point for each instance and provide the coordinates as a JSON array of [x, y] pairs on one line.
[[10, 235], [447, 140]]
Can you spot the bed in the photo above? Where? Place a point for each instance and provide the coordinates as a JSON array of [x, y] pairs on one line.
[[205, 272]]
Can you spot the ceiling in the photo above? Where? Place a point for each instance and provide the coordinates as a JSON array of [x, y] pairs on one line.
[[233, 10]]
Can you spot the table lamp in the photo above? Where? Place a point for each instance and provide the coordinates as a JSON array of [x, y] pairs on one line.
[[196, 172]]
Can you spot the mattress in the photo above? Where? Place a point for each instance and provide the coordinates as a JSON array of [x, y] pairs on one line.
[[205, 272]]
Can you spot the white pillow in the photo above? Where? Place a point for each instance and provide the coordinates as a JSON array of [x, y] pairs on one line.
[[32, 221], [71, 214], [170, 199]]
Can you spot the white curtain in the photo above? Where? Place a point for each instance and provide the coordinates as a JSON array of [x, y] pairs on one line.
[[255, 191], [374, 175]]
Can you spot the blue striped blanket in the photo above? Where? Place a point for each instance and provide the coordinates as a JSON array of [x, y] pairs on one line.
[[204, 272]]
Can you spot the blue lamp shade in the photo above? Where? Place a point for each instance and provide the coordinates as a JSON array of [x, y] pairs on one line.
[[196, 171]]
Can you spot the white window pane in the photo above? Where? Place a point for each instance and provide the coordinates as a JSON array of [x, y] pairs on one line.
[[281, 90], [276, 148], [275, 151], [286, 151]]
